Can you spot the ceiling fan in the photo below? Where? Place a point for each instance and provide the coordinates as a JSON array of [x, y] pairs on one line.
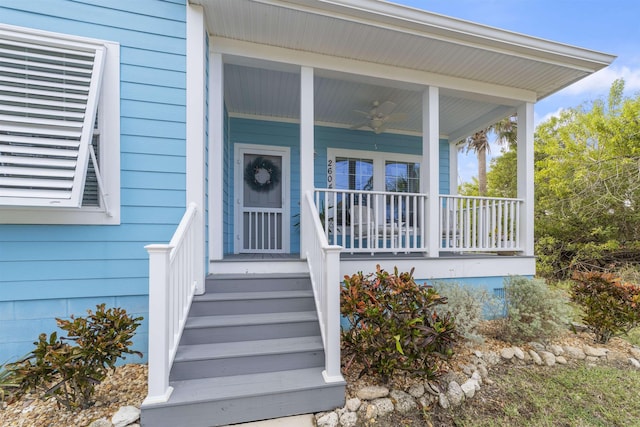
[[379, 116]]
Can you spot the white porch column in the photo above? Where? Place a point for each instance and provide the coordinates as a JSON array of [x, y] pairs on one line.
[[195, 150], [453, 168], [525, 175], [306, 149], [429, 170], [216, 155]]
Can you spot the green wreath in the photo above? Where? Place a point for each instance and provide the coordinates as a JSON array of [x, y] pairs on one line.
[[261, 174]]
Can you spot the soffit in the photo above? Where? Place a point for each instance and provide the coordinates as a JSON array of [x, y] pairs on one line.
[[383, 33], [271, 94]]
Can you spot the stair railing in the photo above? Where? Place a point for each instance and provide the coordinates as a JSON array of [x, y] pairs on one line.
[[173, 281], [324, 266]]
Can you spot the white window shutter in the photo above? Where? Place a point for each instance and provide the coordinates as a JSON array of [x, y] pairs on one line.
[[48, 100]]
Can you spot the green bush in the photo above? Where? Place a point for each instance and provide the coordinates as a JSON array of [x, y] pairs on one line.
[[394, 324], [534, 311], [70, 372], [9, 383], [468, 306], [611, 307]]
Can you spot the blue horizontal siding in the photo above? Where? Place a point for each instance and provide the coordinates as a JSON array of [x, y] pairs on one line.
[[141, 144], [138, 91], [30, 318], [74, 269], [73, 288], [141, 110], [51, 251], [48, 271]]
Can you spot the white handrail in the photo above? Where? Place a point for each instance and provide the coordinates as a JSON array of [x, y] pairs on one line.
[[373, 221], [470, 224], [172, 285], [324, 266]]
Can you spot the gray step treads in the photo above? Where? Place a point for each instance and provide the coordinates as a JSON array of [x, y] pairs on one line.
[[248, 348]]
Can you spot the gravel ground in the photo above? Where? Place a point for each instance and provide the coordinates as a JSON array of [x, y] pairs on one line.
[[126, 386]]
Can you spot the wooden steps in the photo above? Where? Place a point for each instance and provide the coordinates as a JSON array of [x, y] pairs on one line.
[[251, 350]]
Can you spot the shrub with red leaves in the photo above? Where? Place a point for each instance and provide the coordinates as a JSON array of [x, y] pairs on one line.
[[611, 307]]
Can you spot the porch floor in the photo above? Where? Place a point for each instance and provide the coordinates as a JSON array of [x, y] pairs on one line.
[[346, 255]]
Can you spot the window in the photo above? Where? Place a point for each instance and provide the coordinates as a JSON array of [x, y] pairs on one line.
[[378, 171], [59, 133]]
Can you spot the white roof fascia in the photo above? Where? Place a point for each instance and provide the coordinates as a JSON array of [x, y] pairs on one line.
[[435, 26]]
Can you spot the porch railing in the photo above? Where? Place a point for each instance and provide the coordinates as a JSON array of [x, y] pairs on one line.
[[474, 224], [373, 221], [324, 266], [172, 284]]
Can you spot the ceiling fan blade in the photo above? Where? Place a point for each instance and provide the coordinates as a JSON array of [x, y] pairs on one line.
[[398, 117], [386, 108], [359, 125], [380, 129], [364, 113]]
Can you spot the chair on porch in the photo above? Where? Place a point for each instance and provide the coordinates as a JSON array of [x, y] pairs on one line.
[[363, 222]]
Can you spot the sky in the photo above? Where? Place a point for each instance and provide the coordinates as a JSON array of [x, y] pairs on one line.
[[609, 26]]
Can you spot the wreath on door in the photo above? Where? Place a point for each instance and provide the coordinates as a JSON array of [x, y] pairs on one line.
[[261, 174]]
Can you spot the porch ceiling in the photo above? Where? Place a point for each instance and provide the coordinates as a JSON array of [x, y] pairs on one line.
[[274, 94], [377, 32]]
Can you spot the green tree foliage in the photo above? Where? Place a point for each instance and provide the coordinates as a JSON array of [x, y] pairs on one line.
[[588, 186]]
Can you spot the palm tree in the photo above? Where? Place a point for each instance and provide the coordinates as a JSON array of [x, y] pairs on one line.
[[506, 131]]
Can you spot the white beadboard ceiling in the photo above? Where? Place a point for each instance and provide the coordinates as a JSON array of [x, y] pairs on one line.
[[384, 33]]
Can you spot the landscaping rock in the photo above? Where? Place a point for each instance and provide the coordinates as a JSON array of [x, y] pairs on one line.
[[634, 362], [455, 394], [561, 360], [102, 422], [371, 412], [579, 327], [443, 401], [348, 419], [404, 402], [595, 351], [353, 404], [537, 346], [535, 357], [125, 416], [469, 388], [432, 388], [556, 350], [517, 352], [328, 420], [478, 354], [616, 356], [591, 359], [484, 373], [574, 352], [507, 353], [477, 378], [372, 392], [416, 390], [548, 358], [384, 405], [635, 352]]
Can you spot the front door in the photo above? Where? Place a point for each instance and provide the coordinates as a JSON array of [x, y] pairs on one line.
[[262, 218]]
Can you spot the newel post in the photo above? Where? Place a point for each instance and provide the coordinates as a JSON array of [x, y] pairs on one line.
[[332, 288], [159, 390]]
